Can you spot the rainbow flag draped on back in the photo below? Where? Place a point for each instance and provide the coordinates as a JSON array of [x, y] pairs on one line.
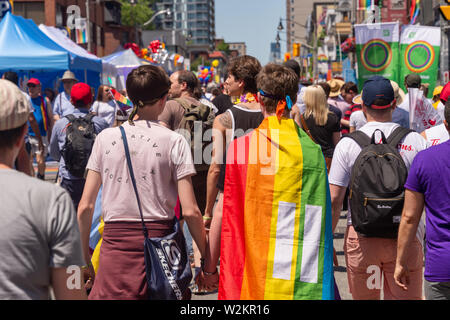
[[276, 240]]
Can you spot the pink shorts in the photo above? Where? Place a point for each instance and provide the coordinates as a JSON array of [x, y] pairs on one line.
[[371, 265]]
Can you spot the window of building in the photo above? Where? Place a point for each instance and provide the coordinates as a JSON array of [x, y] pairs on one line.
[[31, 10]]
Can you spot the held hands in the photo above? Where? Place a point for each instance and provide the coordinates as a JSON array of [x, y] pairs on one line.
[[207, 221], [207, 281]]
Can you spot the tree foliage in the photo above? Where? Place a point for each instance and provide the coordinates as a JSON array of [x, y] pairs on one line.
[[223, 46], [137, 13]]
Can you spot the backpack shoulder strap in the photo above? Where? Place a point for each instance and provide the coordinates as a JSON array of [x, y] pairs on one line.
[[362, 139], [71, 117], [89, 117], [397, 135], [185, 104]]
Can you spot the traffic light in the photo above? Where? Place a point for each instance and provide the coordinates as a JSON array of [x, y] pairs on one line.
[[287, 56], [446, 11], [296, 50]]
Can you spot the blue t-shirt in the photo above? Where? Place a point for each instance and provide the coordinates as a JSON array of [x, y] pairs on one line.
[[430, 175], [40, 115]]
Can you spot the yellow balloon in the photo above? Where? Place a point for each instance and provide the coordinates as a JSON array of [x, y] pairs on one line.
[[215, 63]]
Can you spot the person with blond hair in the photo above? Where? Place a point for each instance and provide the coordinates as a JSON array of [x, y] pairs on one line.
[[319, 122]]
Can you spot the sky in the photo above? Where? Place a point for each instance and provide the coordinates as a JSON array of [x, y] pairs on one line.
[[254, 22]]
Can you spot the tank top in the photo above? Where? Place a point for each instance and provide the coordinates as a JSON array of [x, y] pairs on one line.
[[243, 121], [40, 113]]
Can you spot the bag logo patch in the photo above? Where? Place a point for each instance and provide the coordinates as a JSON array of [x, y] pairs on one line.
[[172, 252]]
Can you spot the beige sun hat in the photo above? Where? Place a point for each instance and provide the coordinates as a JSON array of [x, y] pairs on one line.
[[69, 75], [14, 106], [399, 94], [335, 87]]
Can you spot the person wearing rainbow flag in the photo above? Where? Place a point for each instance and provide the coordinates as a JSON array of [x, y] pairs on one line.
[[44, 117], [276, 239]]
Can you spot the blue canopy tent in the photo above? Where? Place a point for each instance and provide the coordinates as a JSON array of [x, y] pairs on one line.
[[25, 49]]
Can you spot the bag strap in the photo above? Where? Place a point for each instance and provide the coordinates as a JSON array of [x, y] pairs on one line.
[[360, 138], [89, 117], [185, 104], [305, 128], [133, 180], [397, 135], [71, 117]]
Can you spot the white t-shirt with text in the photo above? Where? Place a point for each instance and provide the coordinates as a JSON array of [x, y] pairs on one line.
[[347, 150]]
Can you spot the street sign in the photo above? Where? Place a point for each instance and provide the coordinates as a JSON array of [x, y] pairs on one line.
[[5, 6], [446, 11]]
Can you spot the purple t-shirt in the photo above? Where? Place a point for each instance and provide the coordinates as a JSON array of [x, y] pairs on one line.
[[430, 174]]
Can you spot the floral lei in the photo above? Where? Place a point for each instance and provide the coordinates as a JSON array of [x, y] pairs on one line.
[[249, 97]]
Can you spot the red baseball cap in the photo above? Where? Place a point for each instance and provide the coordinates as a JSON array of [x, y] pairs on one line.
[[445, 93], [34, 81], [81, 92]]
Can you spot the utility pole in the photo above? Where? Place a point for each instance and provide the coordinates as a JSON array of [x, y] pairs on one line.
[[88, 27]]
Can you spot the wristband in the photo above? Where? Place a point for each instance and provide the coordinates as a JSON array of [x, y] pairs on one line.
[[202, 264], [207, 218]]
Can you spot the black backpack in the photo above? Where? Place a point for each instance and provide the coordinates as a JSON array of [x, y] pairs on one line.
[[205, 116], [377, 184], [80, 137]]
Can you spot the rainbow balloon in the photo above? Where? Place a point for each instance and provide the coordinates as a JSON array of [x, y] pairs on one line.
[[276, 240]]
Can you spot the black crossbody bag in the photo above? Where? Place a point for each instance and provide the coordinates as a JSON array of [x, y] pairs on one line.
[[167, 266]]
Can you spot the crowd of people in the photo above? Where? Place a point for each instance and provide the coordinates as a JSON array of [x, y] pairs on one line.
[[191, 149]]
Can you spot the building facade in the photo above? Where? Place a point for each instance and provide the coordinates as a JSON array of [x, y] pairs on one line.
[[237, 48], [106, 31], [194, 18], [297, 15]]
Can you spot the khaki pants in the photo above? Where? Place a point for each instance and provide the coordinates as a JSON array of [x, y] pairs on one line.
[[369, 260]]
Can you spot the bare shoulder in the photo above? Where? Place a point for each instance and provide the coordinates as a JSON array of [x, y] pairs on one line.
[[224, 120]]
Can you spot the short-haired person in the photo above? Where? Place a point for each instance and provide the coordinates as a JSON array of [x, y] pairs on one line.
[[266, 177], [163, 166], [183, 84], [243, 116], [39, 235], [319, 122], [44, 116], [361, 252], [80, 97], [62, 105], [358, 119], [428, 186]]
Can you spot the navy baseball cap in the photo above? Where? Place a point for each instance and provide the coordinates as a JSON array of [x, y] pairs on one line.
[[375, 88]]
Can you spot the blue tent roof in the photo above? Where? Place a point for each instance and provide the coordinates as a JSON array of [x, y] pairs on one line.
[[23, 46]]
